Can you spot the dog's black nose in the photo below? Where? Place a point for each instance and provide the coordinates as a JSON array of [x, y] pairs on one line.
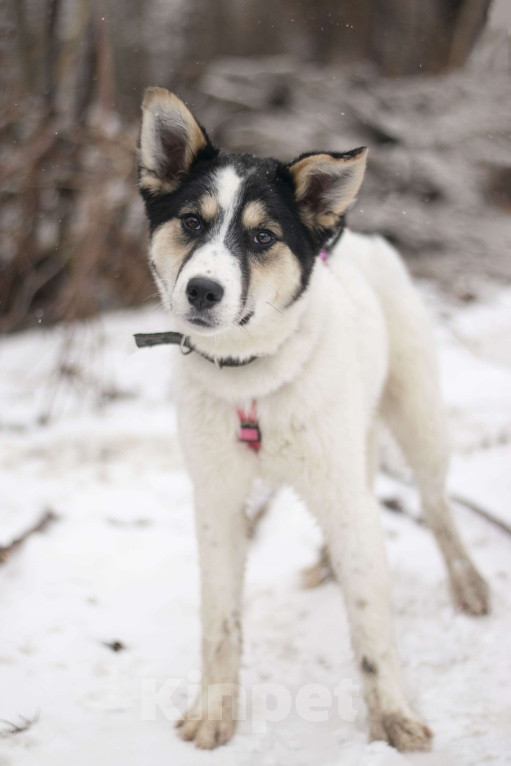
[[203, 293]]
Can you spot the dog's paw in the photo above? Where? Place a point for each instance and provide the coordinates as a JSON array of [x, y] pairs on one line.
[[210, 722], [206, 734], [403, 731], [471, 593]]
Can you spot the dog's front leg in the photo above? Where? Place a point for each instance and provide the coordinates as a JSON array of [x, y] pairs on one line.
[[350, 518], [220, 496]]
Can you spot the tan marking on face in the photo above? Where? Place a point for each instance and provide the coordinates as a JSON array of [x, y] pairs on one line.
[[169, 248], [255, 216], [277, 280], [209, 207]]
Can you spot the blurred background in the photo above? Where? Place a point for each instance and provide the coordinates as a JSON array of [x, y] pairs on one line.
[[425, 85]]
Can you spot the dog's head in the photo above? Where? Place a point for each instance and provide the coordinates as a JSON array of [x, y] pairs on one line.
[[233, 237]]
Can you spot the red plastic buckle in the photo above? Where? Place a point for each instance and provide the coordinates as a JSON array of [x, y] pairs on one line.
[[251, 435], [249, 431]]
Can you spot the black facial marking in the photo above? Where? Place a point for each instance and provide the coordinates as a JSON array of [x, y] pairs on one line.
[[264, 180], [269, 182], [246, 319], [189, 255]]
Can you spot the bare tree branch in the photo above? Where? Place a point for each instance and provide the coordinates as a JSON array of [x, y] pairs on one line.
[[17, 728], [52, 50], [470, 504], [44, 522]]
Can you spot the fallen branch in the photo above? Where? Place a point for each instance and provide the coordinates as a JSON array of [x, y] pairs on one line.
[[395, 505], [48, 518], [17, 728], [470, 504], [481, 512]]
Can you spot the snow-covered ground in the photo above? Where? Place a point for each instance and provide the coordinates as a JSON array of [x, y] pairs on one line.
[[97, 445]]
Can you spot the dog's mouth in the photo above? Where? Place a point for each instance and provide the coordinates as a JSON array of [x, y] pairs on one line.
[[210, 324], [198, 322], [204, 324]]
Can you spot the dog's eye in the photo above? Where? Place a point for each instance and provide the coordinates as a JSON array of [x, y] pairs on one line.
[[192, 222], [263, 238]]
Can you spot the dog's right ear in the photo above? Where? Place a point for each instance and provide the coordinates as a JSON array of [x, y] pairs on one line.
[[170, 142]]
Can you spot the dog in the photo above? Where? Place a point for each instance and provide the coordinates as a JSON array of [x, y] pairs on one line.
[[295, 352]]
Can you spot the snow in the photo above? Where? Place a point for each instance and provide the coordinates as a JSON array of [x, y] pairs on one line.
[[97, 445]]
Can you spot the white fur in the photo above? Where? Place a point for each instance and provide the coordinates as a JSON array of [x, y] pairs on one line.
[[228, 186], [355, 347]]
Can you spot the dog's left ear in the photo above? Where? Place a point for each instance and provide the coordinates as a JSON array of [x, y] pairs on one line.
[[170, 141], [326, 183]]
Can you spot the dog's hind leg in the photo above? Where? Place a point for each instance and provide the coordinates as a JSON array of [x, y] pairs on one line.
[[258, 505], [221, 490], [322, 571], [412, 408]]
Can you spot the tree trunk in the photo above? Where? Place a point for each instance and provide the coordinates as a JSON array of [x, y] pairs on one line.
[[401, 37]]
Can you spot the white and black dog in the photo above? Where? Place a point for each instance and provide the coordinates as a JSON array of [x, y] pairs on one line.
[[292, 364]]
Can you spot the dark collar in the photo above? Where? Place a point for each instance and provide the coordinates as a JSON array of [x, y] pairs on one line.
[[144, 340]]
